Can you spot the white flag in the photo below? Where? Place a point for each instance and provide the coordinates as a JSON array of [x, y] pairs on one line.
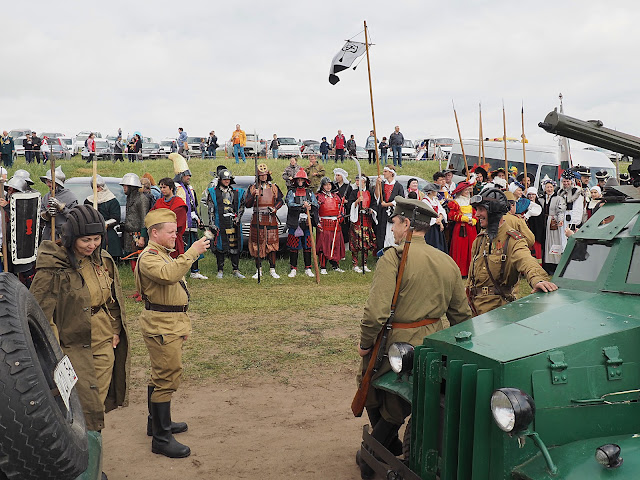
[[344, 58]]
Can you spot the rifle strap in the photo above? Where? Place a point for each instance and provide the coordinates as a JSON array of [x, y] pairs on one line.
[[497, 285]]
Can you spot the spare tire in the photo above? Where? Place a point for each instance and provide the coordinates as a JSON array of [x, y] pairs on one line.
[[40, 438]]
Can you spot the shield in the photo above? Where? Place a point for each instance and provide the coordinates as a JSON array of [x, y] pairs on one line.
[[25, 226]]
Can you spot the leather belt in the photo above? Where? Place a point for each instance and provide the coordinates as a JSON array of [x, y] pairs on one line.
[[164, 308], [419, 323], [482, 291], [95, 310]]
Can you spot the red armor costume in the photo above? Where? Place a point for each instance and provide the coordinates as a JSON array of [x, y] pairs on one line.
[[330, 212], [362, 237]]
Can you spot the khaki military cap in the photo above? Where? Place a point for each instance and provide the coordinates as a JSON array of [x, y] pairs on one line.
[[407, 206], [160, 215]]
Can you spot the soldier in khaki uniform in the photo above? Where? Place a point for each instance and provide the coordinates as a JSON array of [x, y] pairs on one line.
[[315, 172], [499, 255], [431, 287], [164, 322]]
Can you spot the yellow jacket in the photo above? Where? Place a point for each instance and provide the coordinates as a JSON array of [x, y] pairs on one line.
[[238, 136]]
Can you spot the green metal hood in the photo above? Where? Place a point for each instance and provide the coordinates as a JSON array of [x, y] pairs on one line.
[[541, 322]]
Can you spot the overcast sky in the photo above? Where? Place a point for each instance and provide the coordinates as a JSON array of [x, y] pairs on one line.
[[156, 65]]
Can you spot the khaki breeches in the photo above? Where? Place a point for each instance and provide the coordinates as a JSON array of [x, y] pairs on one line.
[[165, 353]]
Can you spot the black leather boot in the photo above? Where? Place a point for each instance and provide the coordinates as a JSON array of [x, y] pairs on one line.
[[384, 432], [163, 442], [176, 427]]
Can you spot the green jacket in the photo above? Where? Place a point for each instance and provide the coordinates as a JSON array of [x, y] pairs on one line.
[[66, 302]]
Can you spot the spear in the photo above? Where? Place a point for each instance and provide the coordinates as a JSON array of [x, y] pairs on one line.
[[504, 139], [313, 246], [481, 136], [466, 166], [524, 150]]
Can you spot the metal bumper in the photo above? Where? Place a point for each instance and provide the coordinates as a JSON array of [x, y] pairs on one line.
[[387, 465]]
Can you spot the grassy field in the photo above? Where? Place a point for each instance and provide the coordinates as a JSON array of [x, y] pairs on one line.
[[280, 328]]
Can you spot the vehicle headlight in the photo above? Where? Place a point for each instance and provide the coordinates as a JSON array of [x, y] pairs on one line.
[[512, 409], [401, 357], [609, 455]]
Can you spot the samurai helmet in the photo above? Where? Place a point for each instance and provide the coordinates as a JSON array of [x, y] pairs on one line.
[[264, 169], [225, 175], [301, 174], [324, 181], [60, 176]]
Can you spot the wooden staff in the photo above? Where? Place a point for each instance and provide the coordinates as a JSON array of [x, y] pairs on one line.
[[504, 139], [52, 194], [313, 246], [481, 138], [466, 166], [95, 183], [373, 115], [524, 152]]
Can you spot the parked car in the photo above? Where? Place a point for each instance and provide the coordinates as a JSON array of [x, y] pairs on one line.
[[19, 132], [194, 145], [408, 150], [312, 149], [17, 142], [151, 150], [361, 153], [69, 144], [81, 187], [81, 137], [58, 151], [288, 147], [103, 150], [244, 181], [167, 146], [306, 143], [51, 135]]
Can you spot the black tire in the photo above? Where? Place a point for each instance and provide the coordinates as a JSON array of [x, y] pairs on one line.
[[406, 441], [39, 438]]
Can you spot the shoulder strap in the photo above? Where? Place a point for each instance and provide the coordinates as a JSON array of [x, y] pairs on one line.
[[497, 285]]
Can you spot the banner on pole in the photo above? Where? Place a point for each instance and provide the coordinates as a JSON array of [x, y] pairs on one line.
[[345, 58]]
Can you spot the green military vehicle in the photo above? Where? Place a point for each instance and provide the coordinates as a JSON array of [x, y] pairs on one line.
[[42, 429], [546, 387]]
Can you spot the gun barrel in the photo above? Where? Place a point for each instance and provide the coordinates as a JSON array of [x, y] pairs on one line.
[[591, 132]]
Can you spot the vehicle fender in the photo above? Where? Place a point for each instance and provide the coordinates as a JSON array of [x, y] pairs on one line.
[[94, 470], [394, 383], [576, 461]]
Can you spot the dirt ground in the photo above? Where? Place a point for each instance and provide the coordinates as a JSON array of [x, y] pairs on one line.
[[260, 429]]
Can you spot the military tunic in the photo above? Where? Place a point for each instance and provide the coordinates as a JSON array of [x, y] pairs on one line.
[[160, 281], [516, 259], [515, 222], [431, 288]]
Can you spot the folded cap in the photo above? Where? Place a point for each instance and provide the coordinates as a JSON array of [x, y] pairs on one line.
[[159, 215], [412, 208]]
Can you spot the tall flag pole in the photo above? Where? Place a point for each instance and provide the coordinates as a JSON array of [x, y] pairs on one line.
[[524, 150], [504, 139], [481, 136], [466, 166], [373, 115]]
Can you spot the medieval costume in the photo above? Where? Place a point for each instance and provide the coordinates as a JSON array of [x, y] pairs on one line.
[[341, 178], [572, 196], [536, 224], [435, 234], [329, 240], [185, 191], [481, 177], [301, 203], [362, 236], [267, 197], [413, 191], [553, 210], [464, 232], [594, 203], [109, 208], [177, 206], [226, 207], [59, 206], [384, 206]]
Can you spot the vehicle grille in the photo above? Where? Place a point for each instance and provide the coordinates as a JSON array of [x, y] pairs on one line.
[[449, 438]]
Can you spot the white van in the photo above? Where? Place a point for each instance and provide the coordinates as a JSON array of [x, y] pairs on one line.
[[542, 160]]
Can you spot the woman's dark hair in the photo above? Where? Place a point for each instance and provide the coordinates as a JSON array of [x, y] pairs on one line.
[[168, 182], [411, 180]]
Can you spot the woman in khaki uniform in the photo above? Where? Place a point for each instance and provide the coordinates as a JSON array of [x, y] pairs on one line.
[[78, 288]]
